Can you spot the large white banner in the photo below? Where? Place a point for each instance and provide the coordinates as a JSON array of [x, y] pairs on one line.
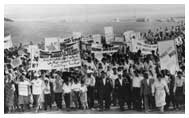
[[8, 42], [168, 55], [145, 48], [108, 50], [52, 44], [34, 56], [109, 34], [69, 57]]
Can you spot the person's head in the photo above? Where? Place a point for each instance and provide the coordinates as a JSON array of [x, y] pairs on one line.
[[159, 77], [136, 73], [21, 78], [103, 74], [145, 75], [114, 70], [179, 74]]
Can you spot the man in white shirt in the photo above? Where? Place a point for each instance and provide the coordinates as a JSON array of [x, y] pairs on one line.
[[67, 93], [23, 92], [136, 80], [90, 82], [37, 89]]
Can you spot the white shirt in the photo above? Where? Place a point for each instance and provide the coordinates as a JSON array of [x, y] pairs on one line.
[[83, 88], [67, 88], [37, 86], [47, 89], [76, 87], [23, 88], [137, 81]]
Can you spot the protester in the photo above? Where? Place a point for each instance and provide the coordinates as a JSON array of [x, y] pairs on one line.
[[123, 76], [159, 90]]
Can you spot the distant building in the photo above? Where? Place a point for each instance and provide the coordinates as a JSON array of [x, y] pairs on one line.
[[143, 19]]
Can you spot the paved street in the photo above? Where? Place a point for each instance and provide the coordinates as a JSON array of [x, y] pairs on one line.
[[113, 110]]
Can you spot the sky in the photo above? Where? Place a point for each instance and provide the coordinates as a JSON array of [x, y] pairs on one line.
[[81, 11]]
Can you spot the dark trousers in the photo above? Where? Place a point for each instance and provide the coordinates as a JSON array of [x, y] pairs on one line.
[[146, 99], [58, 100], [47, 98], [136, 98], [90, 96], [114, 97], [67, 100], [107, 99], [121, 101], [152, 102], [76, 99]]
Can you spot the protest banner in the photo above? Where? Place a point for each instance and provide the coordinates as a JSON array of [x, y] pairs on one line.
[[34, 56], [168, 55], [16, 62], [52, 44], [69, 57], [67, 41], [108, 50], [119, 39], [145, 48], [109, 34], [86, 39], [94, 45], [8, 42], [96, 38], [128, 36]]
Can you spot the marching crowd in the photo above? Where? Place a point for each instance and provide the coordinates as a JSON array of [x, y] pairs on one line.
[[128, 80]]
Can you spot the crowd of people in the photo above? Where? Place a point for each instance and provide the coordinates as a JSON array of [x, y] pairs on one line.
[[130, 81]]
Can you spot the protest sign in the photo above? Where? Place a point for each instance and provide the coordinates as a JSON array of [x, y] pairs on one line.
[[69, 57], [8, 42], [52, 44], [16, 62], [145, 48], [119, 39], [109, 34], [96, 38], [168, 55], [94, 45], [34, 56], [108, 50], [66, 41]]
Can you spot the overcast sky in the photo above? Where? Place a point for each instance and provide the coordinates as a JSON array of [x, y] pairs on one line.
[[79, 11]]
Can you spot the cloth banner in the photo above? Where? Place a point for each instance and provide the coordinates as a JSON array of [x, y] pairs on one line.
[[52, 44], [145, 48], [109, 34], [69, 57], [168, 55], [108, 50], [34, 56], [119, 39], [8, 42]]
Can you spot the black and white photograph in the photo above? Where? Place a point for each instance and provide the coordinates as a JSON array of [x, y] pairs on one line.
[[94, 59]]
